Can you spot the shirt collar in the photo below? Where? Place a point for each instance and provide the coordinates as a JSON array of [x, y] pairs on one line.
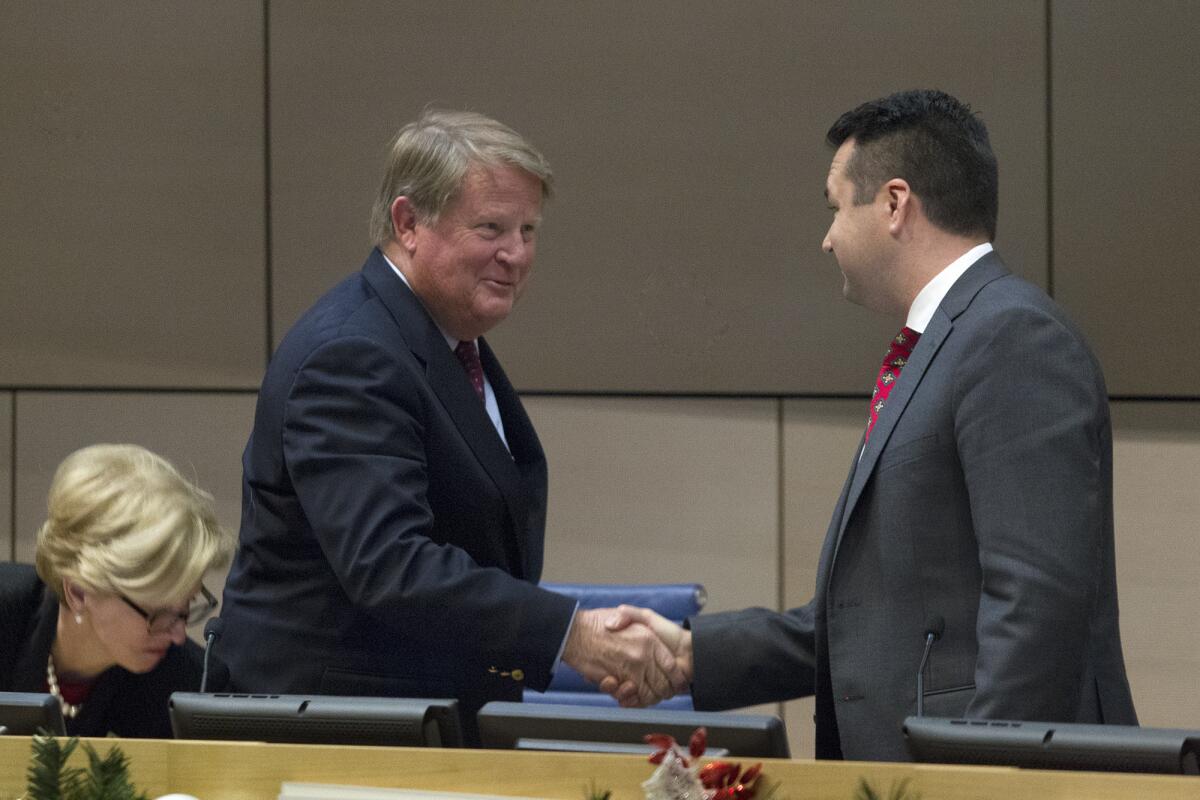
[[929, 298]]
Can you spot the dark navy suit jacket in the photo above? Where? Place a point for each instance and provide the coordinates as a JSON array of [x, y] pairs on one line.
[[984, 497], [390, 544]]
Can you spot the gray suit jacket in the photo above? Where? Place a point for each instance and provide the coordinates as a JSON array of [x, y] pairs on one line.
[[983, 498]]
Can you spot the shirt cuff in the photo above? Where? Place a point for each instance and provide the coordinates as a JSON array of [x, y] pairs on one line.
[[563, 645]]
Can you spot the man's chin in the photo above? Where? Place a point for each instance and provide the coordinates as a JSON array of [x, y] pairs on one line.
[[493, 312]]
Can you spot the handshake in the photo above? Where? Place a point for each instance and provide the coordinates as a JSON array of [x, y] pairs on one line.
[[634, 654]]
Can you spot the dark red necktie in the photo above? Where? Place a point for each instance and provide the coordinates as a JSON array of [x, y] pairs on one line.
[[468, 356], [897, 356]]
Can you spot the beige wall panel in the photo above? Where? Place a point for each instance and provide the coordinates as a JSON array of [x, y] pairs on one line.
[[1126, 105], [202, 434], [663, 490], [132, 194], [683, 250], [819, 438], [6, 474], [1156, 457]]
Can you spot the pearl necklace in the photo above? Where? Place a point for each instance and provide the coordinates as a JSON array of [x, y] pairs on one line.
[[69, 711]]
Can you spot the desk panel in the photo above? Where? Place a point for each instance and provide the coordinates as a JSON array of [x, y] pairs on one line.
[[247, 771]]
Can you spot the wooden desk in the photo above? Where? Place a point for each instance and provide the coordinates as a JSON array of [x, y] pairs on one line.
[[247, 771]]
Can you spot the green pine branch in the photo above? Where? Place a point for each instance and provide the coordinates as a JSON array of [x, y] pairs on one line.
[[49, 777], [108, 778], [897, 791], [590, 792]]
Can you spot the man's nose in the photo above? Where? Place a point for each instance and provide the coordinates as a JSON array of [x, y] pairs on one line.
[[514, 249]]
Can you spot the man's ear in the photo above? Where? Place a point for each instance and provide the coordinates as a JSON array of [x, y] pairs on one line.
[[404, 223], [902, 204]]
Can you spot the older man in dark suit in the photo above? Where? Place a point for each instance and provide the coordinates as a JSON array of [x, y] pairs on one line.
[[978, 508], [394, 496]]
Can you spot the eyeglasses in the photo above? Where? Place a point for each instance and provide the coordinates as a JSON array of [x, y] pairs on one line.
[[163, 620]]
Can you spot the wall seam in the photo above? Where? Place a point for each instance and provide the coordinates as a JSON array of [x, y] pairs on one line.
[[268, 235], [1049, 65], [12, 480], [781, 521], [569, 393], [780, 507], [129, 389]]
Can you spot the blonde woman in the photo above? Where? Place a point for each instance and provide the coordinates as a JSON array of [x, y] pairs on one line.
[[101, 623]]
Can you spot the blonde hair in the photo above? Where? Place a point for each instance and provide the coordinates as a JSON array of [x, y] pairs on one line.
[[122, 520], [428, 159]]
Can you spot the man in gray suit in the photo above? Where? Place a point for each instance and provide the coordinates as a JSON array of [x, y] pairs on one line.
[[978, 509]]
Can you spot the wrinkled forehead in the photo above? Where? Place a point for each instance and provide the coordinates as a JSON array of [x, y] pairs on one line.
[[501, 182]]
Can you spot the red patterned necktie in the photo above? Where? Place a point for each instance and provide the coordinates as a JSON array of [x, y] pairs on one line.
[[897, 356], [468, 356]]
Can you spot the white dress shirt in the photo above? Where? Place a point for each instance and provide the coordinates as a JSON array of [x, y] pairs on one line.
[[929, 298]]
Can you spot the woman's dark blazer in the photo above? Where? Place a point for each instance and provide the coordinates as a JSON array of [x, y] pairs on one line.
[[121, 703]]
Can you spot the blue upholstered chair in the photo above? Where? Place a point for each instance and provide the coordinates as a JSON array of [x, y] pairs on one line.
[[675, 601]]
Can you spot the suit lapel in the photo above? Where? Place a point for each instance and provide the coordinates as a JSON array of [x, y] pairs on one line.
[[526, 456], [910, 378], [984, 271], [449, 381]]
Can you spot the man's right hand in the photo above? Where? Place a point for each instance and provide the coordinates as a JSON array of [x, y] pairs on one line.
[[674, 637], [634, 656]]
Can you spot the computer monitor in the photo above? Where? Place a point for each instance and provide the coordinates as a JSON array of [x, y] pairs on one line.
[[316, 719], [545, 726], [27, 713], [1053, 745]]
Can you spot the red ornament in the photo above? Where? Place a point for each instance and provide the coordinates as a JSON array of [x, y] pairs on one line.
[[724, 778], [699, 742], [728, 780], [663, 743]]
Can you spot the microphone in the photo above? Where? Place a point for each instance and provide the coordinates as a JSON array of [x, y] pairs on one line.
[[212, 632], [934, 627]]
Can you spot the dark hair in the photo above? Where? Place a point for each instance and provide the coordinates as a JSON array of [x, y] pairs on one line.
[[934, 142]]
